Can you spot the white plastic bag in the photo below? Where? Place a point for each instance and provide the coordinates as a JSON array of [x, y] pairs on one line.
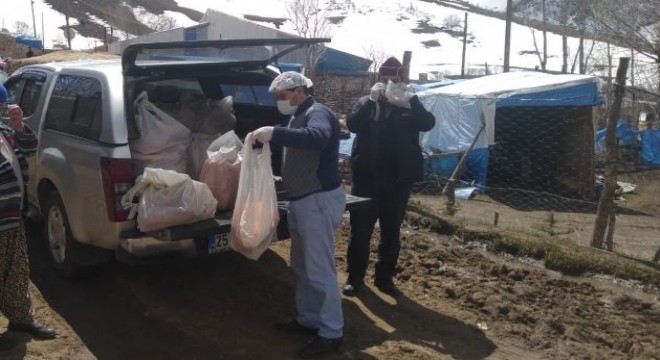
[[158, 130], [398, 94], [255, 218], [168, 198], [222, 170]]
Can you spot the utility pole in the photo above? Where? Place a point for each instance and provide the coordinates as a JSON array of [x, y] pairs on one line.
[[609, 64], [507, 36], [68, 32], [407, 57], [34, 23], [581, 66], [465, 26], [564, 50], [545, 40]]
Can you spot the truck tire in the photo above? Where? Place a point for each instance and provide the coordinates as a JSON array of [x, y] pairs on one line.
[[60, 245]]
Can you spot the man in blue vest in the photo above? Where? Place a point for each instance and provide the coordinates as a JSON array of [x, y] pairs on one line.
[[310, 176]]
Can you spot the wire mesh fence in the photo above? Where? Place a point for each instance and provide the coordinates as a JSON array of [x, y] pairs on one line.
[[544, 173]]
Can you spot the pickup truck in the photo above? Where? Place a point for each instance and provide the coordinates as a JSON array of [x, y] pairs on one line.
[[85, 118]]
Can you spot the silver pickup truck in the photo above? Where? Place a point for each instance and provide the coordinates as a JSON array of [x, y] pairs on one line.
[[84, 115]]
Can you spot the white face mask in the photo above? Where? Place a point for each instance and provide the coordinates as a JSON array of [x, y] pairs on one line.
[[285, 107]]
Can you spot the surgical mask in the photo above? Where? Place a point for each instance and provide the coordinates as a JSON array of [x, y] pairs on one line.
[[285, 107]]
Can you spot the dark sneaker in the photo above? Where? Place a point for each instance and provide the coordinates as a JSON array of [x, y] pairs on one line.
[[6, 343], [351, 289], [387, 287], [36, 329], [320, 346], [294, 327]]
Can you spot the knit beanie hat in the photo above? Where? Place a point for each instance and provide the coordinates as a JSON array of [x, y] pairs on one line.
[[391, 67]]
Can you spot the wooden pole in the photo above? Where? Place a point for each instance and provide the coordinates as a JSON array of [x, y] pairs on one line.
[[448, 190], [609, 64], [564, 50], [407, 57], [34, 23], [68, 32], [507, 36], [465, 26], [581, 67], [611, 225], [606, 203]]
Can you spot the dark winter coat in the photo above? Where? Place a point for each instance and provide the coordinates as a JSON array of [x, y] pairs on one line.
[[387, 139]]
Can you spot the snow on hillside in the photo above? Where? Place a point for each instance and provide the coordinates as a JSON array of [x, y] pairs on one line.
[[384, 25], [388, 25]]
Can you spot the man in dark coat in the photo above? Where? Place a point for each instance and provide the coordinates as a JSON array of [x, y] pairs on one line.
[[386, 160]]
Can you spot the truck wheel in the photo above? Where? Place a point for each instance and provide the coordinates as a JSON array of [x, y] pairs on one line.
[[60, 245]]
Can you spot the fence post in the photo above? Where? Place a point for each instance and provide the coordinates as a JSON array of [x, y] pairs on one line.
[[448, 190], [606, 202]]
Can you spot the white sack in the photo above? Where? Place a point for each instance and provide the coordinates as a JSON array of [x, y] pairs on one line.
[[168, 198], [158, 130]]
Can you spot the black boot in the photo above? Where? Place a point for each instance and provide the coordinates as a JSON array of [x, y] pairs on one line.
[[352, 286], [386, 286], [320, 346], [385, 271], [34, 328]]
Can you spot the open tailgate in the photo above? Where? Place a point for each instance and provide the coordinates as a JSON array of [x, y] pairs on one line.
[[221, 224]]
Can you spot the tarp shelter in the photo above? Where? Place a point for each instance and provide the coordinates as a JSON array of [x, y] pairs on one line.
[[31, 41], [332, 61], [649, 141], [538, 131]]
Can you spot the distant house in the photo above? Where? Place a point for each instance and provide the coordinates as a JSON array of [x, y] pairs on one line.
[[339, 77]]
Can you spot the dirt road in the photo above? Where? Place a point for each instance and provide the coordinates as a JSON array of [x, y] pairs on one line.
[[459, 302]]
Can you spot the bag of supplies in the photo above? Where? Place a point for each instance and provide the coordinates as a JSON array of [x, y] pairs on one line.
[[255, 218], [222, 169], [168, 198]]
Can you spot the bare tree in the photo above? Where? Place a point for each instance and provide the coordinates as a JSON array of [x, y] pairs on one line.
[[529, 14], [634, 23], [583, 59], [156, 22], [22, 27], [452, 22], [377, 55], [310, 20]]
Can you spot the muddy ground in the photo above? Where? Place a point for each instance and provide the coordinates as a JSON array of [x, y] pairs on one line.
[[460, 302]]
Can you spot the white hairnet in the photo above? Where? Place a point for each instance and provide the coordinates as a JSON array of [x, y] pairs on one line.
[[289, 80]]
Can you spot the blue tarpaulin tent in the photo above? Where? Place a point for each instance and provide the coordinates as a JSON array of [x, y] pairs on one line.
[[338, 62], [651, 146], [28, 40], [461, 108], [649, 139]]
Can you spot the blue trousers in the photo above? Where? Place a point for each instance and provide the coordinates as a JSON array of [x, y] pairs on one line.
[[313, 221]]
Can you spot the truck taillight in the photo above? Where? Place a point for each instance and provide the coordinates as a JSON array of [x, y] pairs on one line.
[[117, 177]]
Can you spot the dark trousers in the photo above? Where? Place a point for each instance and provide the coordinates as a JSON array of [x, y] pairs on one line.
[[389, 202]]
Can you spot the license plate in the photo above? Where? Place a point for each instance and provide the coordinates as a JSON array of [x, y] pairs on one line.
[[218, 243]]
